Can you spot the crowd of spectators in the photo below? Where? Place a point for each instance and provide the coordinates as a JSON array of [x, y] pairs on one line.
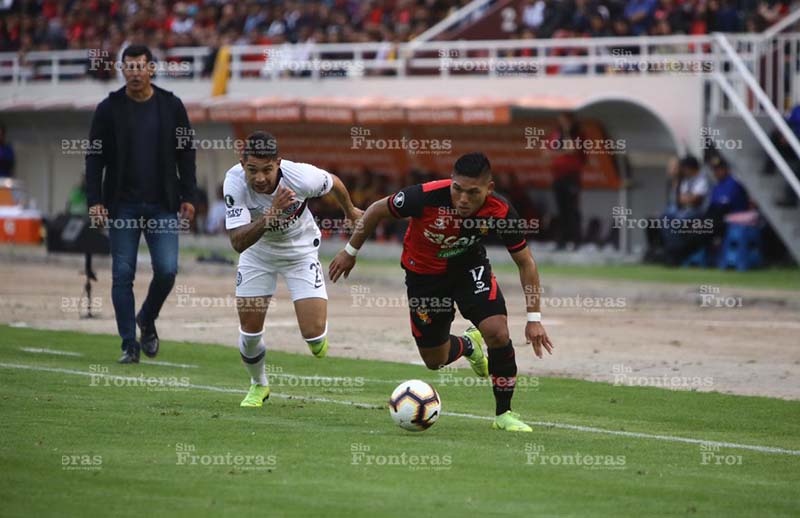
[[599, 18], [164, 24], [27, 25]]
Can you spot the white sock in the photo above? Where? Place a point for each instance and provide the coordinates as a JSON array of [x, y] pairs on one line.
[[254, 351]]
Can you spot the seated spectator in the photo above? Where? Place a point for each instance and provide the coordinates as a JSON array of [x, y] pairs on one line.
[[556, 16], [639, 14], [690, 202], [723, 16], [728, 195], [692, 189], [533, 14]]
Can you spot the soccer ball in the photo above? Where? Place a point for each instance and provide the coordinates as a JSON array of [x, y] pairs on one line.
[[415, 405]]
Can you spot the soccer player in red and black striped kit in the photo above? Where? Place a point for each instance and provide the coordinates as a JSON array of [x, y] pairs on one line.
[[446, 264]]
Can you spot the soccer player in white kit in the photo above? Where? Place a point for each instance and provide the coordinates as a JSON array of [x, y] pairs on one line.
[[269, 224]]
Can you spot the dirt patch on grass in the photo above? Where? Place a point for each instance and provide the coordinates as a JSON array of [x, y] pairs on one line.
[[679, 337]]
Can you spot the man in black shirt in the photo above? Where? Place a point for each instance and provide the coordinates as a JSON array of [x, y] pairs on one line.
[[142, 177]]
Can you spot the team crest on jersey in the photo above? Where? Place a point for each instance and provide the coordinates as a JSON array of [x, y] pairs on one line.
[[399, 199], [422, 314], [292, 209], [228, 201]]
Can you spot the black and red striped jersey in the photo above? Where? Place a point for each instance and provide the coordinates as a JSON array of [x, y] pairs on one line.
[[438, 238]]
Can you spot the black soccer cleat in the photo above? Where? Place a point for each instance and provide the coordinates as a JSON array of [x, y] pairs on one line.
[[131, 355], [149, 339]]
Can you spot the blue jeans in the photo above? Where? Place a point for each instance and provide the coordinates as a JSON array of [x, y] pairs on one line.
[[160, 230]]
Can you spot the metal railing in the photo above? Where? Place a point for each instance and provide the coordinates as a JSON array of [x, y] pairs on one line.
[[535, 57], [761, 103]]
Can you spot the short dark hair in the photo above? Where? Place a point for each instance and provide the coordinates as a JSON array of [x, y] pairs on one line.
[[690, 162], [134, 51], [260, 144], [718, 161], [473, 165]]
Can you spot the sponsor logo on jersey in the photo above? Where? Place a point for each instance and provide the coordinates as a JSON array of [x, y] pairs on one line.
[[446, 241], [234, 212], [450, 245], [399, 199]]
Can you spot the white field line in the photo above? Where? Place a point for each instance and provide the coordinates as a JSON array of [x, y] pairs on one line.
[[37, 350], [587, 429], [57, 352], [169, 364], [191, 366]]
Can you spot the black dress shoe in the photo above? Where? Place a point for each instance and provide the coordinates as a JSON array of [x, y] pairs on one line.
[[149, 339], [129, 357]]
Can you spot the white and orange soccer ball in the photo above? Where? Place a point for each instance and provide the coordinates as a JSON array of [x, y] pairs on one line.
[[415, 405]]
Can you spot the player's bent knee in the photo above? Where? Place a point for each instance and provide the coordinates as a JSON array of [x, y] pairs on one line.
[[495, 331], [435, 357], [496, 337], [314, 331]]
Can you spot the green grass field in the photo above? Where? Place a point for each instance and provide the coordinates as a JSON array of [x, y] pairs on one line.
[[767, 278], [83, 436]]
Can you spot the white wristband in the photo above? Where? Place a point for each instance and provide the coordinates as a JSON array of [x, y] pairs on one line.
[[350, 249], [534, 316]]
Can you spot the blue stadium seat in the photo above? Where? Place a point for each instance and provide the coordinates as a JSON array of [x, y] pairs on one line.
[[741, 248]]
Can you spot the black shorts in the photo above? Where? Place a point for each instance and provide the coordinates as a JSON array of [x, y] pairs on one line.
[[432, 301]]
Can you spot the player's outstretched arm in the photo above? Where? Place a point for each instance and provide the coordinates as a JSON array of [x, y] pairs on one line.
[[342, 197], [345, 260], [529, 278], [245, 236]]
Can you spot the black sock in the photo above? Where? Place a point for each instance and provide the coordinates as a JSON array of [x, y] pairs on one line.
[[468, 346], [503, 371], [458, 348]]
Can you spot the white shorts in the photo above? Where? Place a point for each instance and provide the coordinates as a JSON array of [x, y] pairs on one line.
[[304, 277]]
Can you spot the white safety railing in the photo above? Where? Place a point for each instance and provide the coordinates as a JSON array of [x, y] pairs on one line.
[[774, 64], [747, 98], [535, 57]]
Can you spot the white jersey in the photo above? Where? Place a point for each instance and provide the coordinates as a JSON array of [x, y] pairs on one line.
[[296, 233]]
